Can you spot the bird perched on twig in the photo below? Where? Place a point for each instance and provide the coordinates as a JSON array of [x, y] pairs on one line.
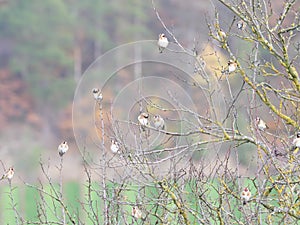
[[97, 94], [241, 25], [232, 65], [143, 119], [63, 148], [222, 35], [114, 147], [162, 42], [296, 141], [136, 212], [9, 174], [159, 122], [261, 124], [246, 195]]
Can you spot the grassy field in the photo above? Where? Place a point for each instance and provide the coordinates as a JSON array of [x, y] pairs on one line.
[[28, 202], [27, 199]]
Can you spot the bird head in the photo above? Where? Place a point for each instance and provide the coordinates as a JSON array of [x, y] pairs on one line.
[[156, 117], [162, 36], [230, 62], [133, 210], [95, 90], [145, 115]]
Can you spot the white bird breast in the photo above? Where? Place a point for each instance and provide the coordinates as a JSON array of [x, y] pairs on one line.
[[231, 68], [247, 197], [114, 148], [63, 149], [97, 96], [261, 126], [159, 123], [296, 142], [143, 121], [163, 42], [240, 25], [10, 175]]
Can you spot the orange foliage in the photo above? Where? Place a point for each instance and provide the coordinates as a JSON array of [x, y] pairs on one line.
[[15, 102]]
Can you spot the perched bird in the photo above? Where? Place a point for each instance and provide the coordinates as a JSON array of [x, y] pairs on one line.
[[114, 147], [159, 122], [222, 35], [241, 25], [296, 141], [143, 120], [261, 124], [246, 195], [9, 174], [162, 42], [136, 212], [63, 148], [231, 66], [97, 94]]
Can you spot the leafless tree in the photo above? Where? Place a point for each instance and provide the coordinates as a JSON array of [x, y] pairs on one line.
[[195, 170]]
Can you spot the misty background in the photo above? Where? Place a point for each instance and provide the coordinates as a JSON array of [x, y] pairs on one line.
[[45, 47]]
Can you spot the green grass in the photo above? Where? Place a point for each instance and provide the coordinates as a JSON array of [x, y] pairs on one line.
[[28, 201], [7, 213]]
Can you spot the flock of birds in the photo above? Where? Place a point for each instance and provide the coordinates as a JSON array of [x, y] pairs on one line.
[[159, 123], [143, 121]]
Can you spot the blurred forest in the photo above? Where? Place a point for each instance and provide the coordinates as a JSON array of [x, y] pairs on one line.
[[45, 46]]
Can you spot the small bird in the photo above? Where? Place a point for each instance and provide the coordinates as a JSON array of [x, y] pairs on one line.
[[159, 122], [97, 94], [223, 35], [9, 174], [136, 212], [246, 195], [162, 42], [114, 147], [231, 66], [296, 141], [261, 124], [63, 148], [143, 120], [241, 25]]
